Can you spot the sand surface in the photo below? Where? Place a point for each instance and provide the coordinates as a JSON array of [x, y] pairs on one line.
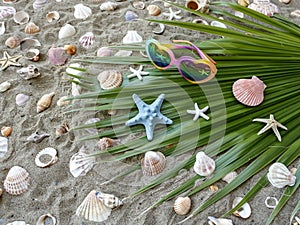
[[53, 189]]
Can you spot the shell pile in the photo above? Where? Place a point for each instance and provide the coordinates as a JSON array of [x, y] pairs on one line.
[[16, 181], [153, 163]]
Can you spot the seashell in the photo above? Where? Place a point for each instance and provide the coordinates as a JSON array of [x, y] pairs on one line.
[[108, 6], [123, 53], [62, 129], [21, 99], [6, 131], [161, 30], [230, 177], [296, 13], [70, 49], [6, 11], [244, 3], [273, 206], [76, 89], [87, 39], [132, 37], [139, 5], [1, 192], [219, 221], [12, 42], [21, 17], [110, 79], [18, 223], [28, 72], [37, 137], [112, 112], [33, 54], [43, 219], [9, 1], [44, 102], [16, 181], [105, 143], [279, 176], [81, 163], [57, 56], [153, 10], [239, 14], [213, 188], [264, 6], [93, 209], [104, 51], [5, 86], [204, 165], [2, 28], [198, 5], [92, 121], [38, 4], [245, 210], [52, 16], [28, 43], [63, 101], [72, 71], [82, 11], [3, 146], [249, 92], [46, 151], [218, 24], [129, 16], [182, 205], [31, 28], [200, 21], [153, 163], [109, 200], [66, 31]]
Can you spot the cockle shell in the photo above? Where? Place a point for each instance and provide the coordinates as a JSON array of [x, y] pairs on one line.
[[198, 5], [81, 163], [46, 151], [153, 10], [6, 131], [66, 31], [264, 6], [52, 16], [153, 163], [38, 4], [16, 181], [129, 16], [21, 99], [182, 205], [138, 5], [108, 6], [105, 143], [62, 101], [280, 176], [61, 129], [18, 223], [4, 86], [132, 36], [70, 49], [28, 72], [44, 102], [219, 221], [110, 79], [31, 28], [104, 51], [21, 17], [6, 11], [33, 54], [87, 39], [204, 165], [57, 56], [93, 209], [245, 210], [109, 200], [3, 146], [249, 92], [82, 11], [230, 177], [43, 219], [12, 42], [37, 137]]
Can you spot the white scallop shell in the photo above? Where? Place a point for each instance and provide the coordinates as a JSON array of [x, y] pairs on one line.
[[153, 163], [66, 31], [46, 151], [21, 99], [87, 39], [18, 223], [51, 16], [16, 181], [5, 86], [29, 72], [38, 4], [44, 102], [109, 200], [264, 6], [204, 165], [182, 205], [132, 36], [6, 11], [3, 146], [42, 220], [219, 221], [245, 210], [81, 163], [280, 176], [21, 17], [110, 79], [82, 11], [138, 5], [108, 6]]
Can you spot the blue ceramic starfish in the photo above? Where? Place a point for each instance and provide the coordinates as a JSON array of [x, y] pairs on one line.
[[149, 115]]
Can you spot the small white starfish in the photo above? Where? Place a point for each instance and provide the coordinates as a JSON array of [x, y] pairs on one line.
[[271, 123], [137, 73], [198, 112], [172, 14]]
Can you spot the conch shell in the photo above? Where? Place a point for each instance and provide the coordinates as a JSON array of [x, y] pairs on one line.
[[44, 102]]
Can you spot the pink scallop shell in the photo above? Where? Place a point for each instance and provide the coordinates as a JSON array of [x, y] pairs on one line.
[[249, 92], [264, 6]]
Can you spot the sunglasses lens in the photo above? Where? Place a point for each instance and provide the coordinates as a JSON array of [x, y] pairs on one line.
[[195, 72], [159, 57]]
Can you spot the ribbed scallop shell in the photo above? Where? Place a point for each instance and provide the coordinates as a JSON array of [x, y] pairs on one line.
[[153, 163], [16, 181], [264, 6], [31, 28], [6, 11], [182, 205], [93, 209], [46, 151], [44, 102], [249, 92], [110, 79], [81, 163], [66, 31], [280, 176], [105, 143], [12, 42], [204, 165], [38, 4], [109, 200], [82, 11], [153, 10], [108, 6], [87, 39], [3, 146], [132, 37]]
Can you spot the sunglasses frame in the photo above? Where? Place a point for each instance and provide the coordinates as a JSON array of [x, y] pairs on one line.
[[205, 59]]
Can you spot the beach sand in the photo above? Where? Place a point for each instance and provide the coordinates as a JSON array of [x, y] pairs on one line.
[[53, 189]]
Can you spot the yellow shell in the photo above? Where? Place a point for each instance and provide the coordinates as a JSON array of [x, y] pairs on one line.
[[153, 163], [243, 2], [44, 102], [153, 10], [182, 205], [16, 181], [31, 28], [110, 79], [6, 131], [70, 49]]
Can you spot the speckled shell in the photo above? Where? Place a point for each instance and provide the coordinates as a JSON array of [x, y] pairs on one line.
[[81, 163], [264, 6], [21, 99], [108, 6], [44, 102], [249, 92], [46, 151], [42, 220], [132, 37], [82, 11], [87, 39], [110, 79], [153, 163], [38, 4], [3, 146], [280, 176], [52, 16], [6, 11], [204, 165], [182, 205], [6, 131], [21, 17], [153, 10], [4, 86], [105, 143], [31, 28], [66, 31], [109, 200], [16, 181], [28, 72], [93, 209]]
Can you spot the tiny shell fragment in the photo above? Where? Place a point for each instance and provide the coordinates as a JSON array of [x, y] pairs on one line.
[[296, 13]]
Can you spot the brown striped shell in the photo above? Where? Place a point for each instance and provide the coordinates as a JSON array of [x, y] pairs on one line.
[[16, 181], [182, 205], [110, 79], [153, 163], [31, 28]]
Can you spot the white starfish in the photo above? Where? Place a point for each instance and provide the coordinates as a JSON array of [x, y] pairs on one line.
[[137, 73], [172, 14], [271, 123], [198, 112]]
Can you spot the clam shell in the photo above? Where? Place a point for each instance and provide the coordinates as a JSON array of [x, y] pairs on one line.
[[16, 181], [3, 146], [265, 7], [153, 163], [204, 165], [37, 137], [104, 51], [105, 143], [153, 10], [42, 220], [82, 11], [132, 37], [28, 43], [219, 221], [62, 101], [110, 79], [70, 49], [249, 92], [182, 205], [139, 5], [108, 6], [6, 11], [18, 223], [57, 56], [44, 102], [46, 151], [31, 28], [52, 16], [33, 54], [230, 177], [4, 86], [245, 210], [109, 200], [38, 4], [21, 17], [280, 176], [66, 31], [28, 72], [87, 39], [130, 15], [21, 99], [93, 209], [12, 42], [6, 131], [62, 129], [81, 163]]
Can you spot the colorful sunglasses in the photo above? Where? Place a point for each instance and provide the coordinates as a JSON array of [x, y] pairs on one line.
[[196, 71]]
